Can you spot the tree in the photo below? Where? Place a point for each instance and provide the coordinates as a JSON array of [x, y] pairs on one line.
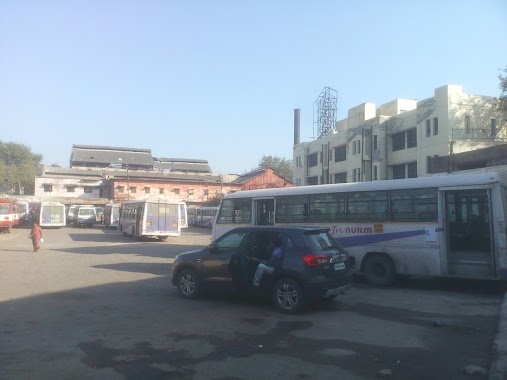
[[282, 166], [503, 83], [18, 168]]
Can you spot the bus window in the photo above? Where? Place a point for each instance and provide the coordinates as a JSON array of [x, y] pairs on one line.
[[327, 208], [414, 205], [242, 211], [291, 209], [367, 206]]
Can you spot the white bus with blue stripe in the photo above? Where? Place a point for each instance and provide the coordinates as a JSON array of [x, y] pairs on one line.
[[445, 226]]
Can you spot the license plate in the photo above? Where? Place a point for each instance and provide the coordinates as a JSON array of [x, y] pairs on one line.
[[339, 266]]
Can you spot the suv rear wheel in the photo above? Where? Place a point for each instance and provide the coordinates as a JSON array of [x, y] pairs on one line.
[[188, 284], [287, 296]]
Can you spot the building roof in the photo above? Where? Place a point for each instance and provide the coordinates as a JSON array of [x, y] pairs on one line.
[[134, 174], [187, 160], [182, 167], [105, 155], [245, 177]]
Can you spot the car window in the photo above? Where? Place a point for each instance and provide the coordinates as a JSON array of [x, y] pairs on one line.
[[320, 241], [231, 241]]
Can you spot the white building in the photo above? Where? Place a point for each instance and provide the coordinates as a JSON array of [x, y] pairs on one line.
[[401, 139]]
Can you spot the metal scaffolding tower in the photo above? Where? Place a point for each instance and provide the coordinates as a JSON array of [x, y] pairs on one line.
[[324, 112]]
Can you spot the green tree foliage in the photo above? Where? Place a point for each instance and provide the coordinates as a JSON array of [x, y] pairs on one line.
[[503, 83], [282, 166], [18, 168]]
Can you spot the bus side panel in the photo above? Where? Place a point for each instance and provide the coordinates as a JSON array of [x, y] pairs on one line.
[[499, 196], [413, 248]]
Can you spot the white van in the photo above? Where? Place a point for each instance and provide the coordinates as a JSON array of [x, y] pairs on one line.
[[84, 215]]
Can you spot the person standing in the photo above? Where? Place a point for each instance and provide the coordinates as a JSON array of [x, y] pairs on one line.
[[36, 236]]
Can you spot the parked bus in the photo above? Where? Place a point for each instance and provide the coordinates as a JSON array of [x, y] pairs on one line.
[[205, 216], [84, 215], [449, 226], [23, 211], [51, 214], [6, 214], [111, 215], [183, 215], [150, 218]]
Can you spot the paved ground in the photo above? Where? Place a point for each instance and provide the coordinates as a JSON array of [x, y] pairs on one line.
[[94, 305]]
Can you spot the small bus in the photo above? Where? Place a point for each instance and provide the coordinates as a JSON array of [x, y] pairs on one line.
[[438, 226], [205, 216], [150, 218], [51, 214], [23, 212], [84, 215], [111, 215], [183, 215], [6, 214]]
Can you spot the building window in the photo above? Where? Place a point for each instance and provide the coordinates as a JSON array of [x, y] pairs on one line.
[[161, 190], [428, 128], [312, 180], [205, 192], [146, 190], [121, 189], [340, 153], [467, 124], [399, 171], [133, 189], [412, 170], [48, 188], [375, 142], [190, 191], [435, 126], [340, 177], [176, 191], [312, 160], [412, 138], [356, 175], [398, 141], [428, 164], [356, 147], [88, 189], [493, 127], [71, 189], [375, 172]]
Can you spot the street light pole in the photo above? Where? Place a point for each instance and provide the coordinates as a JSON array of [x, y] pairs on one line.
[[128, 183]]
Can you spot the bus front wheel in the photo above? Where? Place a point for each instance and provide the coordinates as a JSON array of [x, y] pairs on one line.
[[379, 270]]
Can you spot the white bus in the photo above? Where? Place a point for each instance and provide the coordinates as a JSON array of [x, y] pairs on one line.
[[150, 218], [183, 215], [111, 215], [205, 216], [51, 214], [449, 226]]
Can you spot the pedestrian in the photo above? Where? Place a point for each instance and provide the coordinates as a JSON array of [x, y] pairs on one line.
[[36, 236], [270, 265]]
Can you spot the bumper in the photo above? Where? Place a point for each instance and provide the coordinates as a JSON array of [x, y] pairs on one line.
[[327, 287]]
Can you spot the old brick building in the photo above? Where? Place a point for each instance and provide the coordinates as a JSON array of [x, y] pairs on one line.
[[261, 179]]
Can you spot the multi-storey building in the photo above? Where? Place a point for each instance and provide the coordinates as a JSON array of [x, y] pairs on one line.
[[405, 139]]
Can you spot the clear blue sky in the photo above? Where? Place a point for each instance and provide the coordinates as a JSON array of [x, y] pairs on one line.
[[218, 80]]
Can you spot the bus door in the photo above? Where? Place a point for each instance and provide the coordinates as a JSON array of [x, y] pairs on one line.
[[139, 220], [264, 211], [469, 233]]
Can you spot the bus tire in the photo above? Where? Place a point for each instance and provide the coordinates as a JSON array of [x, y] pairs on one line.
[[188, 284], [379, 270], [162, 238]]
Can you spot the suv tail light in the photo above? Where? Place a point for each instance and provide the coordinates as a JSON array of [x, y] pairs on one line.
[[314, 260]]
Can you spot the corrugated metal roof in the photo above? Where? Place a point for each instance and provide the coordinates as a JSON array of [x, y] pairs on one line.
[[104, 155], [105, 147], [137, 174], [245, 177], [189, 160], [182, 167]]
